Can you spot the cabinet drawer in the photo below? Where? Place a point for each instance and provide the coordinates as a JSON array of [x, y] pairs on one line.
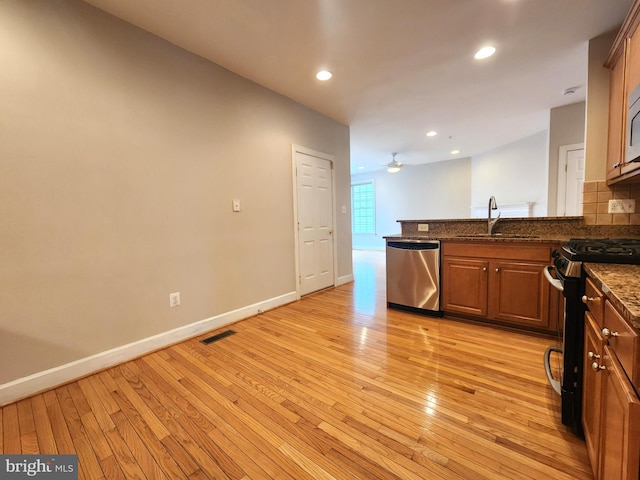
[[594, 300], [498, 250], [623, 341]]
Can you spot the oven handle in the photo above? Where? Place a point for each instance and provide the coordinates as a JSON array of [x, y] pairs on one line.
[[557, 284]]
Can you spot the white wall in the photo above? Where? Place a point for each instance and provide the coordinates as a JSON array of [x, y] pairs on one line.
[[513, 173], [432, 191]]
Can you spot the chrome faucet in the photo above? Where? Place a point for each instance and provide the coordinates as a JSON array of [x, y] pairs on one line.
[[491, 224]]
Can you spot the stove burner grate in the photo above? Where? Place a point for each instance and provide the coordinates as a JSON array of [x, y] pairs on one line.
[[613, 247]]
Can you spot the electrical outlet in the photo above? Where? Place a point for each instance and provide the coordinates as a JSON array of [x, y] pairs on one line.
[[174, 299], [622, 205], [236, 205], [423, 227]]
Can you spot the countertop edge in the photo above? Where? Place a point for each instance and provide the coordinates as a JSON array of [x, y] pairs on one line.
[[615, 281], [479, 239]]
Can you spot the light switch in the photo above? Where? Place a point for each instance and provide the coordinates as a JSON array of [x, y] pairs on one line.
[[236, 205], [344, 209]]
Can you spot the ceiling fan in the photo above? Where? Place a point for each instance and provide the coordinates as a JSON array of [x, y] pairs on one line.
[[394, 166]]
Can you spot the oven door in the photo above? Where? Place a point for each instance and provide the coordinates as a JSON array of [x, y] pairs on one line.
[[569, 386], [556, 280]]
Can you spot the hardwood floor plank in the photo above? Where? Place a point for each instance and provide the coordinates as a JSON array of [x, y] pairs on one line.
[[58, 424], [11, 429], [28, 437], [132, 394], [88, 465], [44, 432], [111, 468], [139, 451]]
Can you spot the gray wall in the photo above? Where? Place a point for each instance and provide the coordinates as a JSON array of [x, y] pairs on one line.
[[120, 155], [566, 127]]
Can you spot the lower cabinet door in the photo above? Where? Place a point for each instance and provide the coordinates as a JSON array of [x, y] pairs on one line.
[[464, 288], [620, 435], [592, 390], [519, 294]]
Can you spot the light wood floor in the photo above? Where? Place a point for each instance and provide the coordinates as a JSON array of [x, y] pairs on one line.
[[333, 386]]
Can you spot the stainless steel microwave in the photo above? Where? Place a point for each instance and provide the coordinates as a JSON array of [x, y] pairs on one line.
[[632, 153]]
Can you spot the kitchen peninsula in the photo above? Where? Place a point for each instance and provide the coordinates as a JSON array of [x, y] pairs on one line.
[[498, 279]]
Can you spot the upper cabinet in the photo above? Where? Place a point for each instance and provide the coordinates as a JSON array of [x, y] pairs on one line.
[[624, 62], [617, 119]]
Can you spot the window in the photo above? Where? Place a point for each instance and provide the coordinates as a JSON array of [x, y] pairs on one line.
[[363, 208]]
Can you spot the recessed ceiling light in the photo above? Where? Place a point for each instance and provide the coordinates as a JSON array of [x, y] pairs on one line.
[[432, 133], [484, 52], [324, 75], [455, 152]]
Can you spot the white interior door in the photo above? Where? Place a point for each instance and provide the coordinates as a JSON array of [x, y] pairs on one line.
[[314, 194], [570, 180]]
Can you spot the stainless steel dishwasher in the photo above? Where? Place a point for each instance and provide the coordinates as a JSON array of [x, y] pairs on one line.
[[413, 275]]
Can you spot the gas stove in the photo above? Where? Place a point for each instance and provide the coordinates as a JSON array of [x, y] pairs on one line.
[[568, 260], [569, 278]]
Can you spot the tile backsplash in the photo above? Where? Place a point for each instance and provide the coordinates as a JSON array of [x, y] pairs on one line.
[[595, 203]]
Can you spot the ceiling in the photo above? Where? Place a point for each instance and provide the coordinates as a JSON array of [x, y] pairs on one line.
[[401, 67]]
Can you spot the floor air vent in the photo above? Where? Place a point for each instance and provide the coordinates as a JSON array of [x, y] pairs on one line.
[[217, 337]]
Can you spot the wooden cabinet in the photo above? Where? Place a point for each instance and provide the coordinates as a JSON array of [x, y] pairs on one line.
[[498, 282], [624, 62], [592, 388], [617, 119], [620, 437], [610, 405]]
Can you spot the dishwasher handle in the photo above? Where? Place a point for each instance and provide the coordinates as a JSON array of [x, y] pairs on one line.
[[433, 245]]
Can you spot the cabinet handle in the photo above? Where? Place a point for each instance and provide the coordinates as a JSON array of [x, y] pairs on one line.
[[592, 355], [608, 333], [586, 299], [484, 269], [616, 165], [597, 367], [497, 270]]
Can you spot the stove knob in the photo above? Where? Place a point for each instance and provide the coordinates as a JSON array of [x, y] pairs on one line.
[[608, 333]]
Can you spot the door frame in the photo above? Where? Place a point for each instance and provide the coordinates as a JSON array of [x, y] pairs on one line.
[[561, 190], [325, 156]]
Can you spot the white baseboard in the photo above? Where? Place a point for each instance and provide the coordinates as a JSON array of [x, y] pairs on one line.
[[344, 279], [38, 382]]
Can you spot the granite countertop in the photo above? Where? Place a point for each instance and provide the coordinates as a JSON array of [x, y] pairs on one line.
[[620, 284], [505, 238]]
